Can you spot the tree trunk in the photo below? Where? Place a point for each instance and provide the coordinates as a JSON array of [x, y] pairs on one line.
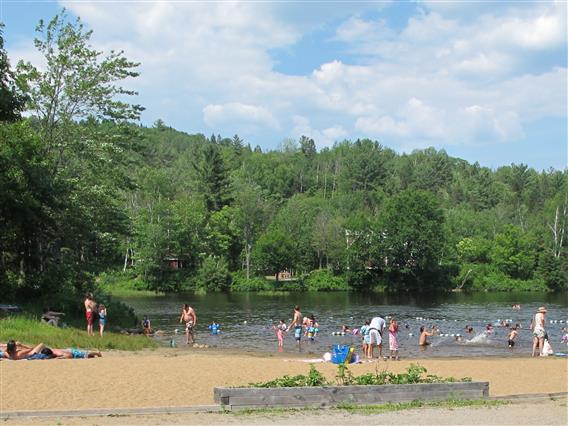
[[126, 258], [248, 249]]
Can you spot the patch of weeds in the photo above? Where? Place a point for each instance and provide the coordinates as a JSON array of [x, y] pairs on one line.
[[391, 407], [314, 378]]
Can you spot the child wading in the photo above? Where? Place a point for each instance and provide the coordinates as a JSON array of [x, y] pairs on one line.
[[280, 329], [393, 339]]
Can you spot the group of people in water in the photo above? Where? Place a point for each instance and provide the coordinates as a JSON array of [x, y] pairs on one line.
[[375, 331]]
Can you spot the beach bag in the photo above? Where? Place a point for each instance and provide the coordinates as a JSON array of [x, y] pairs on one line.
[[547, 349], [341, 354]]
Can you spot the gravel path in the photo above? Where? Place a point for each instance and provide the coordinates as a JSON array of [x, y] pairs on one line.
[[519, 413]]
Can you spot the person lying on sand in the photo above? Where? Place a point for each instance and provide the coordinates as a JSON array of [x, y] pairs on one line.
[[70, 353], [16, 351]]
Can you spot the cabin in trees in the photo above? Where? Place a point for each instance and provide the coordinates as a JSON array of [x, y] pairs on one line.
[[173, 262]]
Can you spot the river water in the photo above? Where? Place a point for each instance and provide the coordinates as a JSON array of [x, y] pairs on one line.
[[246, 320]]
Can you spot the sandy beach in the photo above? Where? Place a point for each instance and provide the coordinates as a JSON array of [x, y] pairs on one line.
[[166, 377]]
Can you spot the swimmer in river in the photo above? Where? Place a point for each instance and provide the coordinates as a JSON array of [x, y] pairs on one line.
[[469, 329], [423, 340], [512, 336]]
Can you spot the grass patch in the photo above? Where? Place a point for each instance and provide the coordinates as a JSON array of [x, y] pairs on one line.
[[121, 285], [273, 293], [378, 409], [30, 331], [400, 406]]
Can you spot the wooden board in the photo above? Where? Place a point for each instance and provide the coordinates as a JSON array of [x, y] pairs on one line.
[[235, 398]]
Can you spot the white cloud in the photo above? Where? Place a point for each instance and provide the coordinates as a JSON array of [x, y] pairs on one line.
[[323, 138], [238, 114], [446, 76]]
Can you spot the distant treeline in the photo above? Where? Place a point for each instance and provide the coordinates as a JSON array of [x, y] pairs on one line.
[[84, 190]]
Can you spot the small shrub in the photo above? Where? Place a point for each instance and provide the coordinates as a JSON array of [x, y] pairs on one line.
[[314, 378], [325, 280], [241, 283], [213, 275]]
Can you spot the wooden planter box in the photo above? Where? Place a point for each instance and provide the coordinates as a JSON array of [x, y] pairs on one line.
[[239, 398]]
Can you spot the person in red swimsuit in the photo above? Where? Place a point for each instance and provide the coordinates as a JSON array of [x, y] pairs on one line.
[[90, 306]]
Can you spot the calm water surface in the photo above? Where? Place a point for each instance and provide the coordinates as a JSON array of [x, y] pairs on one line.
[[246, 320]]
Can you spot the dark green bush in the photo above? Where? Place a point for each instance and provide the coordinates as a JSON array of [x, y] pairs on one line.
[[241, 284], [325, 280]]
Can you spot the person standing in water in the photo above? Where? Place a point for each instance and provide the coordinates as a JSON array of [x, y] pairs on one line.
[[393, 339], [297, 324], [512, 336], [189, 317], [280, 329], [376, 329], [539, 332], [423, 339]]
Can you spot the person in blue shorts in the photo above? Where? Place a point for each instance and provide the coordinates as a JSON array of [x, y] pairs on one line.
[[297, 325], [73, 353]]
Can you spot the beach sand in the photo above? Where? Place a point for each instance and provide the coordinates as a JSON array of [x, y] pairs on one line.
[[175, 377]]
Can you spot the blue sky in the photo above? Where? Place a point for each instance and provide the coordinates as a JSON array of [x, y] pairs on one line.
[[486, 81]]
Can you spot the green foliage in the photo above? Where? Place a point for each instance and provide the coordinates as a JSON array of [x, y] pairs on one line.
[[553, 271], [414, 374], [213, 276], [11, 99], [474, 250], [324, 280], [274, 252], [241, 284], [30, 331], [483, 277], [122, 284], [84, 190], [314, 378], [514, 253], [410, 239]]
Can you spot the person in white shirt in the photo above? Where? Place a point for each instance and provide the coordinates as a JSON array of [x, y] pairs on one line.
[[539, 332], [376, 328]]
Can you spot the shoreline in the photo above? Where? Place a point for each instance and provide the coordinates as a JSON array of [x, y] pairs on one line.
[[162, 378]]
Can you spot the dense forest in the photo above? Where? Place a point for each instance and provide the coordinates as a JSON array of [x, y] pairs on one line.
[[86, 192]]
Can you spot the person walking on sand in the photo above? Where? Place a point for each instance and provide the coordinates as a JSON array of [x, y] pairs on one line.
[[376, 328], [90, 306], [297, 324], [537, 326], [189, 317]]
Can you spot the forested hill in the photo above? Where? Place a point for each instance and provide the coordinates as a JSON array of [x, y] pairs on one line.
[[83, 191], [357, 209]]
